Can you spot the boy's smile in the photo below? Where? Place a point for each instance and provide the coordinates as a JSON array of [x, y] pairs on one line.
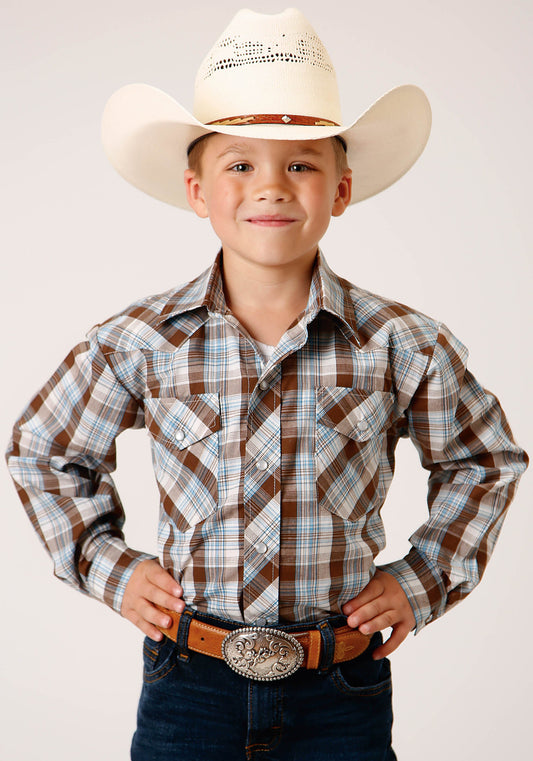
[[269, 201]]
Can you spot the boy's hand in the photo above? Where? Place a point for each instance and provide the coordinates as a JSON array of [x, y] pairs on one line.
[[381, 604], [149, 583]]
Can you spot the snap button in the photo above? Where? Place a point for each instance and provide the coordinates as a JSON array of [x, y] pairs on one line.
[[262, 465], [263, 385], [362, 426], [180, 435], [261, 548]]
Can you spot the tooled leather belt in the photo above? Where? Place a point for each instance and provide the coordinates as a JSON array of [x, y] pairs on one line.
[[264, 653]]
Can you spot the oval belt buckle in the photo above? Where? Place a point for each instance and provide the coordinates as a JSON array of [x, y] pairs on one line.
[[262, 654]]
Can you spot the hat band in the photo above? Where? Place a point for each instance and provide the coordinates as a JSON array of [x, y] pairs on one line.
[[305, 121]]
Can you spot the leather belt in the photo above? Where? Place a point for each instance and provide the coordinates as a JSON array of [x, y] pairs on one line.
[[264, 653]]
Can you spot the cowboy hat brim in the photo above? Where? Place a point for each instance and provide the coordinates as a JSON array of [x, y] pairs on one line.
[[145, 134]]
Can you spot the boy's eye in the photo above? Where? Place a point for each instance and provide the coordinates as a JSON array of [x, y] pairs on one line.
[[296, 167], [242, 166]]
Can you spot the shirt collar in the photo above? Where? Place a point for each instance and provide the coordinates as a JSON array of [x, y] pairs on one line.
[[204, 291], [328, 292], [331, 293]]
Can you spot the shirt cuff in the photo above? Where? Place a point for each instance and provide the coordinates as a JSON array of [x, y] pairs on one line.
[[111, 566], [422, 583]]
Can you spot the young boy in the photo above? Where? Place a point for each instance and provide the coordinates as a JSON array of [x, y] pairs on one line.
[[274, 393]]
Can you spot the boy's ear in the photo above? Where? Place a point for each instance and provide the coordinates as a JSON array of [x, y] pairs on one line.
[[195, 196], [343, 195]]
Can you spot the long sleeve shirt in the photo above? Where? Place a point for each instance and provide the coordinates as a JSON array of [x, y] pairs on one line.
[[271, 475]]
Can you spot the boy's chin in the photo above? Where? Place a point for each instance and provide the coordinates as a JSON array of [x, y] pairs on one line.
[[269, 256]]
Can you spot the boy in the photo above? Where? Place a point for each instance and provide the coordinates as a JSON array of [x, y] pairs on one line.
[[274, 393]]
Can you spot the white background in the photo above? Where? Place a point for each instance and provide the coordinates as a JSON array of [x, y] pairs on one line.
[[452, 238]]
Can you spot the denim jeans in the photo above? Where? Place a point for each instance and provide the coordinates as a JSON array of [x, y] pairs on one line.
[[193, 707]]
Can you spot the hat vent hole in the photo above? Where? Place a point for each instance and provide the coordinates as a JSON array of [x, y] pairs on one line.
[[233, 51]]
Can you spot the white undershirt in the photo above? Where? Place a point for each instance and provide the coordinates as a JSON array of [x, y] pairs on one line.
[[265, 350]]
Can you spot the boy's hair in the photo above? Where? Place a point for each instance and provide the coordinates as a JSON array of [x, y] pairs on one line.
[[196, 150]]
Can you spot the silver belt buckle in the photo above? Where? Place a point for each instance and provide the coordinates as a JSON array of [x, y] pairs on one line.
[[262, 654]]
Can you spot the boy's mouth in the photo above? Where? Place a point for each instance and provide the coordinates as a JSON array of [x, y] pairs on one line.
[[270, 220]]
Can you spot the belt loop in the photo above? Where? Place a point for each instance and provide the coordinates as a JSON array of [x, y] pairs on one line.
[[328, 646], [182, 635]]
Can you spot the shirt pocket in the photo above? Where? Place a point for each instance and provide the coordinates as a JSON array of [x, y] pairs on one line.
[[350, 434], [186, 454]]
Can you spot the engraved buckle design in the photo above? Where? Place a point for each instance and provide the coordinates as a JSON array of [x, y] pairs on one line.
[[262, 654]]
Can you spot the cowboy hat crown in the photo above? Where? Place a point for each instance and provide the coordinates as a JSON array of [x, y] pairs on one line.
[[281, 56]]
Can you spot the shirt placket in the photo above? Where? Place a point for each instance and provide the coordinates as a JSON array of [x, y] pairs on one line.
[[262, 502], [262, 487]]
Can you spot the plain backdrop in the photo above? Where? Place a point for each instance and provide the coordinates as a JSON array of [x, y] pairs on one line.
[[452, 239]]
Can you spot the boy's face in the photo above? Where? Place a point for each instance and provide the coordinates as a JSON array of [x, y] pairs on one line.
[[269, 201]]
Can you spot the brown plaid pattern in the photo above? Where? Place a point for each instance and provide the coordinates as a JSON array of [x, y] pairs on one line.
[[271, 477]]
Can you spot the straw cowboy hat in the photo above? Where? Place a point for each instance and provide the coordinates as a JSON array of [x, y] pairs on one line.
[[267, 76]]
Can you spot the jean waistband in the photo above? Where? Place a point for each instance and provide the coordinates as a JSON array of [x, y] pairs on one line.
[[334, 621]]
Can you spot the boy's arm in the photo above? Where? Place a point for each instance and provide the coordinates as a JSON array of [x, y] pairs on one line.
[[463, 439], [61, 455]]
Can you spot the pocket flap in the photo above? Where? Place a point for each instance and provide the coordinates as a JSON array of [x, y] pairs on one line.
[[355, 413], [183, 421]]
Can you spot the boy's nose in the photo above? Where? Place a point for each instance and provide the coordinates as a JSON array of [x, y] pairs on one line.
[[272, 187]]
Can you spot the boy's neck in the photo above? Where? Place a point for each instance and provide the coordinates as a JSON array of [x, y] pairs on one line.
[[266, 300]]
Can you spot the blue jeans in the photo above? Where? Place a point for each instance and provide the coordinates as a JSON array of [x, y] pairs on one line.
[[195, 708]]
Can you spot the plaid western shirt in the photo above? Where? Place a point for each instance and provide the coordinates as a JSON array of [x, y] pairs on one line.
[[271, 476]]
